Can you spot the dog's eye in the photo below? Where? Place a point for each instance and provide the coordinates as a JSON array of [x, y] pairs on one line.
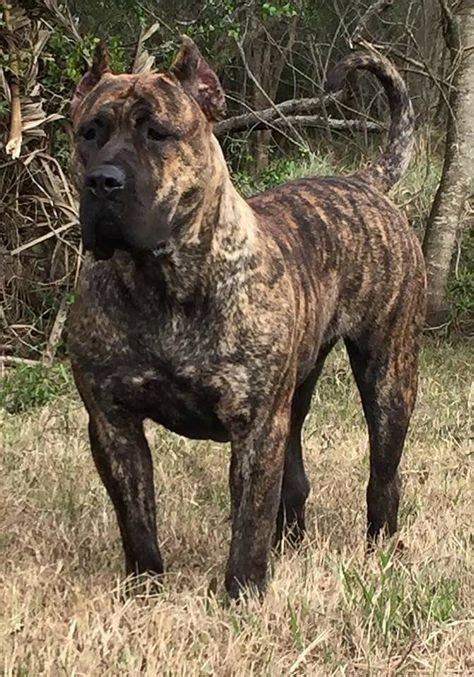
[[95, 130], [89, 134], [156, 134], [151, 129]]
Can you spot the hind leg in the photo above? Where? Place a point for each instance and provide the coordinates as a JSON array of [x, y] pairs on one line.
[[295, 484], [385, 369]]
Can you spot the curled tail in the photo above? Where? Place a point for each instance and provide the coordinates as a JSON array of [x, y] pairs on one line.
[[393, 162]]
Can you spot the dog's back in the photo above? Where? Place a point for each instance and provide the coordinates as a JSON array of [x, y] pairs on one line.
[[348, 247]]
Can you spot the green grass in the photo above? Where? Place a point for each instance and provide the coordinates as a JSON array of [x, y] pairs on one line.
[[283, 169], [395, 604], [33, 385]]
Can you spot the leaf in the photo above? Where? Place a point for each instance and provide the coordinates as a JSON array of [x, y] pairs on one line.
[[143, 63], [150, 31]]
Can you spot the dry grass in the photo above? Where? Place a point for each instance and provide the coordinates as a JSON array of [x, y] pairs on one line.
[[328, 611]]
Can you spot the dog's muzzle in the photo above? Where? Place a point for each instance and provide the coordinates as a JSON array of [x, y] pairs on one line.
[[101, 207], [110, 217]]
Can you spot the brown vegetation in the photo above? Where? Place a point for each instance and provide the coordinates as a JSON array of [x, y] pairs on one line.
[[329, 610]]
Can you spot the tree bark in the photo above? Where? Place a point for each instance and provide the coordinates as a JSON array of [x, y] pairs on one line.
[[261, 69], [266, 62], [447, 212], [293, 112]]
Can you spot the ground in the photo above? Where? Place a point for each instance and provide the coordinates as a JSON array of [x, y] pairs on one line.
[[329, 610]]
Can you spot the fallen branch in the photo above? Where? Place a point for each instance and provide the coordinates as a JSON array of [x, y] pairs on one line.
[[11, 359], [56, 333], [255, 124], [37, 240], [240, 123]]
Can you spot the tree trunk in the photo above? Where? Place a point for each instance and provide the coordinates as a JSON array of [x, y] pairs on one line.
[[258, 52], [266, 61], [446, 214], [263, 138]]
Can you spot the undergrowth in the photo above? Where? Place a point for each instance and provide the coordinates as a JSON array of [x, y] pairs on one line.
[[28, 386]]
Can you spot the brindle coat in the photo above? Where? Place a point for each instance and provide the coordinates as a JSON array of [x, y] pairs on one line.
[[213, 315]]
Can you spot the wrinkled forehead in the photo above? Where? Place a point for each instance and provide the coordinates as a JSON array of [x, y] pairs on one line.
[[118, 96]]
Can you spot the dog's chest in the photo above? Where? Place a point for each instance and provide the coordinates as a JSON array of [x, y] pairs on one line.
[[199, 370], [171, 370]]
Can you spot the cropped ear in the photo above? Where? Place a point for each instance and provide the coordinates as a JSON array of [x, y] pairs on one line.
[[199, 80], [100, 66]]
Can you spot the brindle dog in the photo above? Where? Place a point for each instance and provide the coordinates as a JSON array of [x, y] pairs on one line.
[[213, 315]]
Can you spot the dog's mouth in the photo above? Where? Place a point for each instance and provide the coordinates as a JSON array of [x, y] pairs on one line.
[[163, 248], [106, 230], [104, 250], [102, 238]]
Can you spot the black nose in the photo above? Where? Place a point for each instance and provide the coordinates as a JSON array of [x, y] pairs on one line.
[[105, 180]]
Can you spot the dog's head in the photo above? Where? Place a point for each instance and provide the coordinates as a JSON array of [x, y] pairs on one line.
[[144, 151]]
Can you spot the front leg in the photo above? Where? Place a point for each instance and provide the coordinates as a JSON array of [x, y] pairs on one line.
[[255, 484], [123, 459]]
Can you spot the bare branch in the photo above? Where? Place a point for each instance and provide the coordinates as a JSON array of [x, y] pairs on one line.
[[378, 7], [56, 333], [331, 123], [307, 106], [276, 110], [254, 123], [37, 240], [11, 359]]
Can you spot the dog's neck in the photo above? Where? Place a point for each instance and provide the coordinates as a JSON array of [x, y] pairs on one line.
[[214, 249]]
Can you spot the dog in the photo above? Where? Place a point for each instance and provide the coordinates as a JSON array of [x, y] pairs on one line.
[[213, 315]]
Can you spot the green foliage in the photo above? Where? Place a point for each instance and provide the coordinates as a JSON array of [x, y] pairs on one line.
[[215, 19], [65, 60], [218, 18], [416, 190], [295, 627], [276, 9], [122, 19], [282, 169], [462, 291], [461, 286], [394, 602], [29, 386]]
